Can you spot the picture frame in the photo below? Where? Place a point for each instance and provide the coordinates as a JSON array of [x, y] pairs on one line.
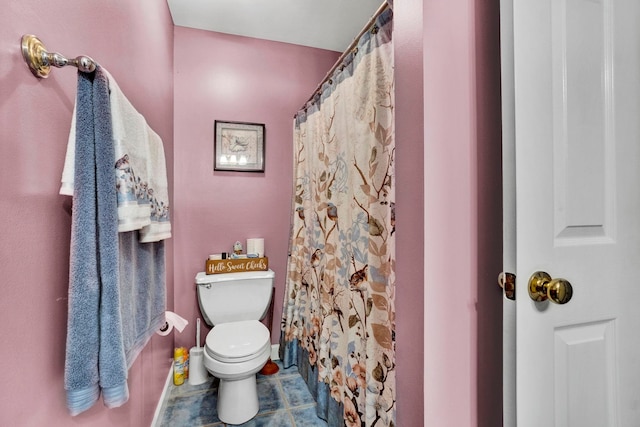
[[238, 146]]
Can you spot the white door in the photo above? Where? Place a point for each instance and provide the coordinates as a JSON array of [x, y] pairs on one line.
[[576, 98]]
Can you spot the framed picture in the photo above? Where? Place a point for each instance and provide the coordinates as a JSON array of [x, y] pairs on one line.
[[238, 146]]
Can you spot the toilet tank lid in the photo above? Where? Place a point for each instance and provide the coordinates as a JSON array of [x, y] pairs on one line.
[[204, 278]]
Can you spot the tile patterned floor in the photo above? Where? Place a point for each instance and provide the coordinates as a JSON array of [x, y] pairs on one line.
[[284, 398]]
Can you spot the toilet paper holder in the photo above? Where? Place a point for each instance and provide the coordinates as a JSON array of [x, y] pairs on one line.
[[172, 320]]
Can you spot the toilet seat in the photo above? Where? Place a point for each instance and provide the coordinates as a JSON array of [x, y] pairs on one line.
[[236, 342]]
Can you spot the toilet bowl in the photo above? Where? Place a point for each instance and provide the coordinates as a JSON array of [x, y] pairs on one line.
[[234, 353], [239, 345]]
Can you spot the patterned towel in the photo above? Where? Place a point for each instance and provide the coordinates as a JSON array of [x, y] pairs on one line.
[[140, 169]]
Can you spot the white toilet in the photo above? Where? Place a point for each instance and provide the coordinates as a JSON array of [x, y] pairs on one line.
[[239, 344]]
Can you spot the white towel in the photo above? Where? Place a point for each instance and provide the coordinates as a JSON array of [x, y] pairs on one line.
[[140, 168]]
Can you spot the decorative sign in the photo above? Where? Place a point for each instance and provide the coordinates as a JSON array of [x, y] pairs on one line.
[[218, 266]]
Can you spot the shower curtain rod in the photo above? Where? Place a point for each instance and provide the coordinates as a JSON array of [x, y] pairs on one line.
[[40, 61], [352, 46]]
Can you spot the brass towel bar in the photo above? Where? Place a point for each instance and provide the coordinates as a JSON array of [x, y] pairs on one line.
[[40, 61]]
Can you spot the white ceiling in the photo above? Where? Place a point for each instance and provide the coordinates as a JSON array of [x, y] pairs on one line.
[[325, 24]]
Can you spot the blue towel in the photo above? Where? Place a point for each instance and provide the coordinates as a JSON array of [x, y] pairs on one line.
[[142, 291], [95, 354], [116, 284], [81, 365]]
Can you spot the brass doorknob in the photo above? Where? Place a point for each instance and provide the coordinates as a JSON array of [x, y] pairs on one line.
[[543, 287]]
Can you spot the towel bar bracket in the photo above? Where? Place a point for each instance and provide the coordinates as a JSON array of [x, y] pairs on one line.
[[40, 61]]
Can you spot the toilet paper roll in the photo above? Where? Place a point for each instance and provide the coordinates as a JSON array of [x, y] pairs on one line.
[[172, 320], [255, 246]]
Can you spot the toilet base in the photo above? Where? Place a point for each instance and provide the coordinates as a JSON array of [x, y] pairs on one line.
[[237, 400]]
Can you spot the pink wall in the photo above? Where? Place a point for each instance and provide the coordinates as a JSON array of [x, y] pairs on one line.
[[410, 196], [463, 228], [450, 250], [445, 49], [488, 188], [224, 77], [134, 41]]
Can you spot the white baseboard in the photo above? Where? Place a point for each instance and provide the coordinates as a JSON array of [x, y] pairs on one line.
[[160, 405], [275, 348]]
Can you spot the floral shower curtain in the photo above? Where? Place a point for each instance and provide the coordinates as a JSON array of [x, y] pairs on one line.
[[339, 316]]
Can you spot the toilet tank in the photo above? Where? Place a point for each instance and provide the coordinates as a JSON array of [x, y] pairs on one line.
[[231, 297]]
